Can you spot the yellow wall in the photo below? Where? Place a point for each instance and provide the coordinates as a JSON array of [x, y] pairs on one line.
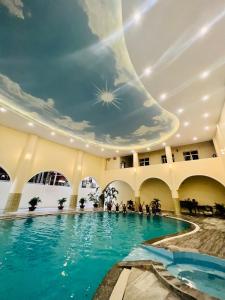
[[52, 156], [155, 188], [154, 156], [205, 150], [205, 190], [112, 163], [48, 156], [11, 147]]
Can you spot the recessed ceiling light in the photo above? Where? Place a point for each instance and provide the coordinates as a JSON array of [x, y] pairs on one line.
[[133, 151], [71, 140], [180, 110], [206, 115], [163, 96], [206, 128], [148, 149], [204, 74], [195, 138], [137, 17], [2, 109], [164, 144], [186, 124], [30, 124], [117, 151], [178, 135], [102, 149], [52, 133], [205, 98], [203, 30], [87, 146], [147, 71]]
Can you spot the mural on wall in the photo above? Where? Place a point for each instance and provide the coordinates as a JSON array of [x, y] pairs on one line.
[[65, 64]]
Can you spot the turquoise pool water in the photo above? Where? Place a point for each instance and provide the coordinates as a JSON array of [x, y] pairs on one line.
[[66, 256]]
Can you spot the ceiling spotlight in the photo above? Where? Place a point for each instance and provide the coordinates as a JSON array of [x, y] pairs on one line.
[[195, 138], [205, 98], [30, 124], [117, 151], [186, 124], [137, 17], [163, 96], [206, 127], [71, 140], [87, 146], [52, 133], [206, 115], [102, 149], [204, 74], [2, 109], [164, 144], [147, 71], [133, 151], [180, 110], [148, 149], [178, 135], [203, 30]]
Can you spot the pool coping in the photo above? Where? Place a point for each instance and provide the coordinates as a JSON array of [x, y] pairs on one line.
[[192, 230]]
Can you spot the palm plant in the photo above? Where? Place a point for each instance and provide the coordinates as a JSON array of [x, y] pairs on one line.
[[94, 197]]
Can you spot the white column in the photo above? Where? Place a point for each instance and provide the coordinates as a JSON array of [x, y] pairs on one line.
[[77, 177], [169, 156], [22, 173], [135, 160]]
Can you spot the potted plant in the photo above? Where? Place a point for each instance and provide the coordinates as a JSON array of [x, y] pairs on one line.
[[61, 202], [82, 201], [94, 197], [33, 203]]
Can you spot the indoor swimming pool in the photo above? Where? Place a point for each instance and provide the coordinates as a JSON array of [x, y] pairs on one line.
[[67, 256]]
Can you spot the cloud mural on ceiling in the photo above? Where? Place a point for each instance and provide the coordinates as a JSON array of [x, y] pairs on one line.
[[65, 64]]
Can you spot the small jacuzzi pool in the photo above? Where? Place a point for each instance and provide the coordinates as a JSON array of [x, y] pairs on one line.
[[203, 272]]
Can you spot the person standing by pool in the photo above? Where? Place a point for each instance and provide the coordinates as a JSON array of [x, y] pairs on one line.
[[109, 207], [140, 209], [124, 208], [117, 207], [147, 208]]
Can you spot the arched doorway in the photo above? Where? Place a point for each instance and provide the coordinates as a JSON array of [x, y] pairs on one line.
[[50, 186], [4, 187], [123, 193], [204, 189], [156, 188], [89, 190]]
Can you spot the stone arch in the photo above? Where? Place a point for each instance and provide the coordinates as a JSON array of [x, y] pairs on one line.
[[50, 186], [205, 189], [154, 187], [165, 180], [126, 192]]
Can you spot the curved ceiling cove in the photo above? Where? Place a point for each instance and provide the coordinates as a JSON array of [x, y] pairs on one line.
[[64, 64]]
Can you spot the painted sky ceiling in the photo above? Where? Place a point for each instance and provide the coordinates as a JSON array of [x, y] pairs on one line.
[[65, 64]]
